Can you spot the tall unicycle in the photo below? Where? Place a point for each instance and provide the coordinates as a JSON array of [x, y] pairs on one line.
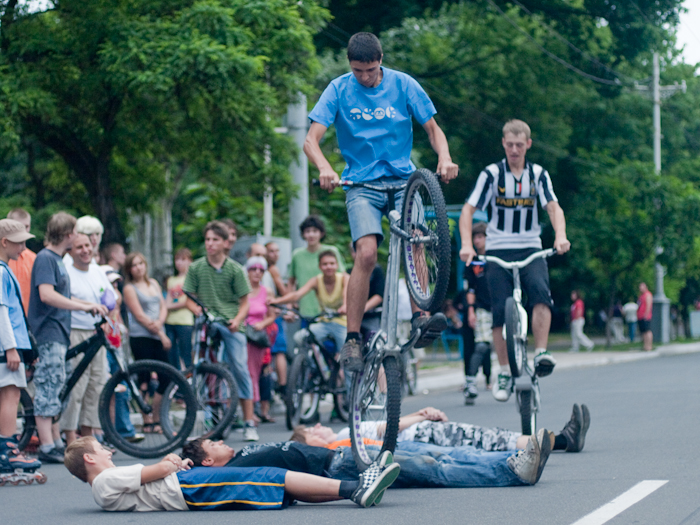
[[426, 255]]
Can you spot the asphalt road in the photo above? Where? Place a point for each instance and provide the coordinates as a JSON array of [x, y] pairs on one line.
[[644, 426]]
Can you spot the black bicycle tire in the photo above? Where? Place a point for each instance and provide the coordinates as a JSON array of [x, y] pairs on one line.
[[219, 431], [528, 416], [433, 302], [25, 412], [184, 390], [293, 417], [341, 405], [515, 361], [393, 412]]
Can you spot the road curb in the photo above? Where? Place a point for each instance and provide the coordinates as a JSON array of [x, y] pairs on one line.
[[432, 380]]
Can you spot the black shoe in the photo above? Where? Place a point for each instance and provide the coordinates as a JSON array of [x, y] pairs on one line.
[[430, 328], [573, 429], [585, 423], [52, 456]]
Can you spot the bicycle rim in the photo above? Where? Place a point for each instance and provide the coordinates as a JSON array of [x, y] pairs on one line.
[[175, 410], [514, 344], [426, 264], [216, 392], [375, 400], [26, 425], [302, 398]]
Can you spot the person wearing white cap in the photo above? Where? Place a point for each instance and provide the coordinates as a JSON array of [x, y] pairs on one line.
[[22, 267], [14, 337]]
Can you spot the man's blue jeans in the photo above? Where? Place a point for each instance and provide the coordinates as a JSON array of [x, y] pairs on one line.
[[236, 354], [430, 466], [181, 337]]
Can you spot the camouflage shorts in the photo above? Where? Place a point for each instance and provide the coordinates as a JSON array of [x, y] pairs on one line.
[[49, 377]]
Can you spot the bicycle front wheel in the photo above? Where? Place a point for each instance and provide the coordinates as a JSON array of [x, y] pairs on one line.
[[170, 402], [216, 392], [514, 344], [375, 408], [528, 415], [302, 397], [427, 258], [25, 419]]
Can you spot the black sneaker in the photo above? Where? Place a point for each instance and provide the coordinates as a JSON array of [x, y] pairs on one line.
[[351, 356], [373, 482], [52, 456], [585, 423], [573, 430], [430, 328]]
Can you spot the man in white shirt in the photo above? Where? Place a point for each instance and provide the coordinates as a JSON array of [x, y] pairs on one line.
[[89, 283]]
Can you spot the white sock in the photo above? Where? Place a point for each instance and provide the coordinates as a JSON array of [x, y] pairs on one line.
[[47, 448], [538, 351]]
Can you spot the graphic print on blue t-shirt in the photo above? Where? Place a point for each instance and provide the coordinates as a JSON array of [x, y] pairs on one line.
[[374, 125]]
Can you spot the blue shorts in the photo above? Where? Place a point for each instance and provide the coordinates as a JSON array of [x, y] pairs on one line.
[[280, 345], [366, 208], [233, 488], [49, 377]]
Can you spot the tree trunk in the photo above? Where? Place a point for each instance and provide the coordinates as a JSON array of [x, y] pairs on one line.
[[103, 202], [36, 179]]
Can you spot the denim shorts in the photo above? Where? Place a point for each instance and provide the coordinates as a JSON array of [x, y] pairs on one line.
[[49, 377], [366, 208]]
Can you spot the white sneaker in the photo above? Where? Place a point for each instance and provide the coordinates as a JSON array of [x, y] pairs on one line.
[[502, 389], [250, 434], [525, 464]]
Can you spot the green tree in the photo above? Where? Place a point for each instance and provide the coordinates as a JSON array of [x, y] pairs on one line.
[[125, 92]]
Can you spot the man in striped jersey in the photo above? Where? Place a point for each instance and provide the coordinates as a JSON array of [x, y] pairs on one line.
[[509, 189]]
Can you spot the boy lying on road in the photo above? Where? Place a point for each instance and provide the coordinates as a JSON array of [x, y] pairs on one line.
[[173, 485]]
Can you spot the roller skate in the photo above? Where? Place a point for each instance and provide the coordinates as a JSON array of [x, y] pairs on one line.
[[15, 467]]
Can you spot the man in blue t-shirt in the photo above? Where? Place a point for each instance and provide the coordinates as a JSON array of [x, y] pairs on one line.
[[372, 109]]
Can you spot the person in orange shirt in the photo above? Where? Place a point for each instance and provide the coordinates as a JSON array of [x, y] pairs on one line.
[[22, 267]]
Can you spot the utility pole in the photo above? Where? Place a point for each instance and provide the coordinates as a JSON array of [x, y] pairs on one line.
[[297, 125], [660, 321]]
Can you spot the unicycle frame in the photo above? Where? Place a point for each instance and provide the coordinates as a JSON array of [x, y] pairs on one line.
[[527, 381]]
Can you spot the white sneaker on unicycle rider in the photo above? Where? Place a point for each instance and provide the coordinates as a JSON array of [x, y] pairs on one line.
[[502, 389]]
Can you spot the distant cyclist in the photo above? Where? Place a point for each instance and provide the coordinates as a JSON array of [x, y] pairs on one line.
[[372, 109], [511, 188]]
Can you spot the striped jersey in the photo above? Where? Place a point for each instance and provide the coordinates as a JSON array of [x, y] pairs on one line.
[[511, 204]]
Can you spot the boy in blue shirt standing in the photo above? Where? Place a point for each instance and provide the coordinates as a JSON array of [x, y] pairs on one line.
[[372, 109], [14, 337]]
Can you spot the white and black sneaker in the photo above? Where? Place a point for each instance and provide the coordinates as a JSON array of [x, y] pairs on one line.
[[375, 480], [503, 387], [525, 464], [545, 438]]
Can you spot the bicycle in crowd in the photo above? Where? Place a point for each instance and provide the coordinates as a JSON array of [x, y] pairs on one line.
[[420, 237], [314, 373], [524, 383], [169, 400], [214, 386]]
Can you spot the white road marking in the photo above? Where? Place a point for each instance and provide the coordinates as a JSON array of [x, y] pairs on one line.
[[624, 501]]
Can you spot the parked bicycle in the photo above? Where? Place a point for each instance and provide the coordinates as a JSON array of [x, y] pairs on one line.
[[175, 412], [214, 386], [315, 372], [420, 237], [526, 386]]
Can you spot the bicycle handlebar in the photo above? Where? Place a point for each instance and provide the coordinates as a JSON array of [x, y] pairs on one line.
[[369, 186], [324, 315], [206, 313], [518, 264]]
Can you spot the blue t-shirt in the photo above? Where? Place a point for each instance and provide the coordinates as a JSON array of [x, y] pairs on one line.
[[10, 297], [373, 125], [49, 324]]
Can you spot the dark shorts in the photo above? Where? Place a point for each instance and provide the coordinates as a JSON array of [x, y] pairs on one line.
[[644, 325], [534, 280]]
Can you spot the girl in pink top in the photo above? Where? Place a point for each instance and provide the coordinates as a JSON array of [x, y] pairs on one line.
[[578, 320]]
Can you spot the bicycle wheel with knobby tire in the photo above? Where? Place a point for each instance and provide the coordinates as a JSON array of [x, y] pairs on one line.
[[302, 397], [341, 399], [426, 263], [25, 419], [515, 346], [174, 411], [375, 408], [528, 415], [216, 392]]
